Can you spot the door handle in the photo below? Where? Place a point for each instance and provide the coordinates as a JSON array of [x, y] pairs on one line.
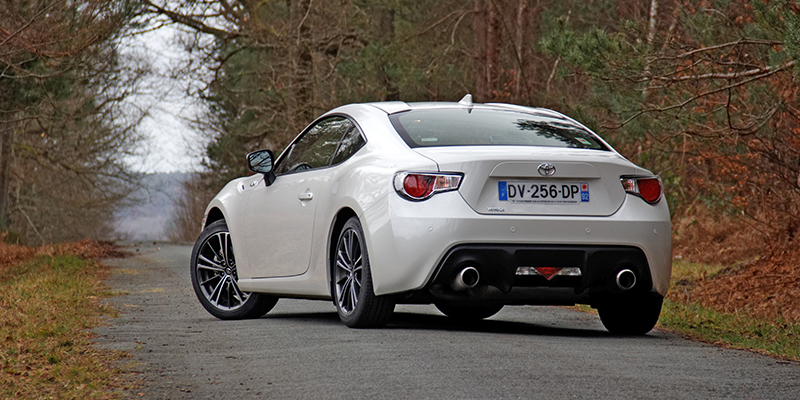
[[306, 196]]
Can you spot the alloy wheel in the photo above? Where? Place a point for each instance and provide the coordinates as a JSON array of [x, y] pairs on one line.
[[216, 273], [349, 271]]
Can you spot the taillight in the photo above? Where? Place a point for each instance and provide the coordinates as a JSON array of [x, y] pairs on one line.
[[648, 188], [420, 186]]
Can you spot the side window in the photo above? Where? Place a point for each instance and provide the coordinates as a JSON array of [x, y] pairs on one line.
[[351, 142], [316, 147]]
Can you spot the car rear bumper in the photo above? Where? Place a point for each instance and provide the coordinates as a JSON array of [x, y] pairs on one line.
[[411, 244], [503, 274]]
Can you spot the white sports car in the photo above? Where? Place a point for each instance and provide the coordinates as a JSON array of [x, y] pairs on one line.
[[467, 206]]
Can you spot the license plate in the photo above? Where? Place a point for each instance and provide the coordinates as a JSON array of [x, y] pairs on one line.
[[543, 192]]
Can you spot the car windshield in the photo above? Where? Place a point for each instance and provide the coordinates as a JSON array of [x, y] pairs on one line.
[[482, 127]]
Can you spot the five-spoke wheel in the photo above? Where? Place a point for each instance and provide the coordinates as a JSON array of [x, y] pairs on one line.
[[215, 280]]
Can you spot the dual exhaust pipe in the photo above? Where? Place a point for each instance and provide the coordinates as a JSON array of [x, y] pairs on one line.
[[469, 277]]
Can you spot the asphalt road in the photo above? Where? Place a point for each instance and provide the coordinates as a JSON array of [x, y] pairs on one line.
[[300, 350]]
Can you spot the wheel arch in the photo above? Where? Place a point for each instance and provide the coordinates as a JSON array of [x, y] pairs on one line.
[[214, 214]]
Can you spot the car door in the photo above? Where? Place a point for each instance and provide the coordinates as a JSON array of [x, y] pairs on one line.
[[279, 218]]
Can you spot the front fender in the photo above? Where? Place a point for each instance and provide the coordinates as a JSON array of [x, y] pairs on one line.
[[231, 201]]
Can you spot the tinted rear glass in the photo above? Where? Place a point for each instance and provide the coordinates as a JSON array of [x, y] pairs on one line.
[[481, 127]]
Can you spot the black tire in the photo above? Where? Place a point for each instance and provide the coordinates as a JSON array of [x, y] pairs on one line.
[[632, 315], [468, 312], [353, 295], [215, 281]]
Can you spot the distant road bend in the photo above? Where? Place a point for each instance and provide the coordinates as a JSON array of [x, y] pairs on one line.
[[300, 350]]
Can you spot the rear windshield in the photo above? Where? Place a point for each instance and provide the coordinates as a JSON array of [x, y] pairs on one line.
[[482, 127]]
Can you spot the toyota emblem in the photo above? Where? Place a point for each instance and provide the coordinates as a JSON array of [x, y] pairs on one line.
[[546, 169]]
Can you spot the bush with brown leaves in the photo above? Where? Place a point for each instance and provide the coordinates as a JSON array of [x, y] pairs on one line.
[[12, 254]]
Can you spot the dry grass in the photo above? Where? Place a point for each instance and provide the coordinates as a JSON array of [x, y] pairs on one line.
[[767, 287], [49, 299], [738, 290], [716, 240], [12, 254], [737, 269], [686, 272]]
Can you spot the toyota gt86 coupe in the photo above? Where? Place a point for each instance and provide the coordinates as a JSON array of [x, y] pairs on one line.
[[470, 207]]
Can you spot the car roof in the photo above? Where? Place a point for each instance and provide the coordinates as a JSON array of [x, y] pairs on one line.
[[389, 108], [394, 107]]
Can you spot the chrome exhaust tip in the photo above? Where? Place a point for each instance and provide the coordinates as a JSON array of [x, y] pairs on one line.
[[626, 279], [466, 279]]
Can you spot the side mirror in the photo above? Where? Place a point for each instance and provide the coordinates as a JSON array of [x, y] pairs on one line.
[[260, 161]]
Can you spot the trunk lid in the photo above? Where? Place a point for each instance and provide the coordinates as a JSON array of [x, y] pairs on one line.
[[515, 180]]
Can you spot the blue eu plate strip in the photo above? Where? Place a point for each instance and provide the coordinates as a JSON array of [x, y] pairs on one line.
[[502, 191]]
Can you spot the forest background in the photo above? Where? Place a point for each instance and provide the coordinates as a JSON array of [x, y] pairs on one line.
[[701, 92]]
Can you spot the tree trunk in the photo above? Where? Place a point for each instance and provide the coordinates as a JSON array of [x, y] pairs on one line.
[[6, 155], [479, 51], [522, 53], [301, 102], [385, 33], [651, 31], [651, 34], [492, 48]]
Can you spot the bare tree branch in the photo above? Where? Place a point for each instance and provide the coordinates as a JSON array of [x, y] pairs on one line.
[[700, 95], [191, 22]]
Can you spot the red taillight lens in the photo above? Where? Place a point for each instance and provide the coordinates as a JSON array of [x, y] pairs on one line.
[[420, 186], [648, 188]]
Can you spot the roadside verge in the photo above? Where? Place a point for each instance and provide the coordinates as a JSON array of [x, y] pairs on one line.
[[50, 298]]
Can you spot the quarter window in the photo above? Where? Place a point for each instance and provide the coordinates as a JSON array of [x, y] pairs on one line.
[[351, 142]]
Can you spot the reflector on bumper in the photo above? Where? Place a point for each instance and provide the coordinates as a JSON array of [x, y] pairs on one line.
[[549, 272]]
